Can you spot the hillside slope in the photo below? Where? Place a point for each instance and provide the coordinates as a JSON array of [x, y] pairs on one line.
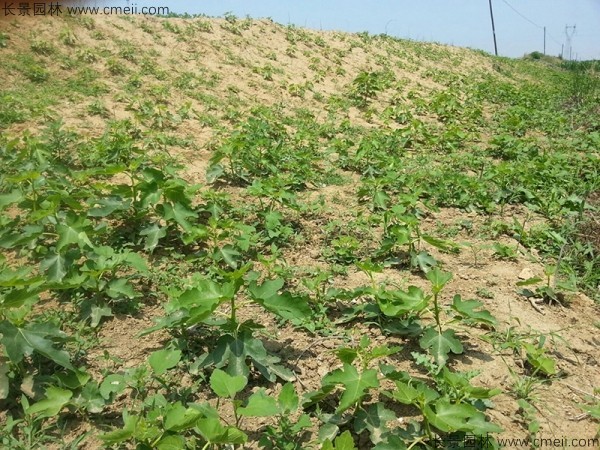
[[384, 223]]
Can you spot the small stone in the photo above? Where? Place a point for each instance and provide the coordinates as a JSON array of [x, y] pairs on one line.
[[526, 274], [329, 344], [186, 380], [323, 370], [311, 365]]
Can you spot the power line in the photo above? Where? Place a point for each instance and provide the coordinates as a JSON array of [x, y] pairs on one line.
[[524, 17], [554, 39], [532, 22]]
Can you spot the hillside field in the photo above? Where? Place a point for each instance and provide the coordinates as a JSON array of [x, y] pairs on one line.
[[224, 233]]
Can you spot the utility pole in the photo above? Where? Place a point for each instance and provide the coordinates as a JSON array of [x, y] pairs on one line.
[[493, 28], [569, 33], [544, 41]]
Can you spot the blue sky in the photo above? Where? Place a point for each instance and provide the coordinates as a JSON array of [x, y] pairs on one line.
[[464, 23]]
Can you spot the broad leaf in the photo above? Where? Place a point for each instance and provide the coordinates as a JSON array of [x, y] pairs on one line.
[[288, 399], [90, 398], [593, 410], [461, 383], [399, 303], [225, 385], [438, 279], [374, 419], [179, 418], [4, 384], [424, 261], [121, 288], [112, 384], [369, 267], [286, 305], [214, 432], [327, 433], [466, 309], [391, 443], [73, 232], [106, 206], [539, 360], [153, 234], [214, 172], [56, 399], [233, 352], [73, 380], [28, 235], [266, 364], [229, 254], [355, 384], [342, 442], [180, 214], [97, 313], [175, 319], [125, 433], [346, 354], [199, 302], [440, 345], [136, 261], [479, 426], [20, 342], [405, 393], [16, 298], [260, 405], [442, 244], [171, 442], [268, 288], [205, 291], [56, 266], [449, 417], [381, 199], [165, 359], [8, 199], [17, 277], [530, 281]]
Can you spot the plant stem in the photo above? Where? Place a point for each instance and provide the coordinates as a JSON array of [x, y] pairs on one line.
[[233, 317], [416, 441], [436, 311]]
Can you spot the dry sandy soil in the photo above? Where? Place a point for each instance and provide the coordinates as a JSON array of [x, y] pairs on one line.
[[260, 64]]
